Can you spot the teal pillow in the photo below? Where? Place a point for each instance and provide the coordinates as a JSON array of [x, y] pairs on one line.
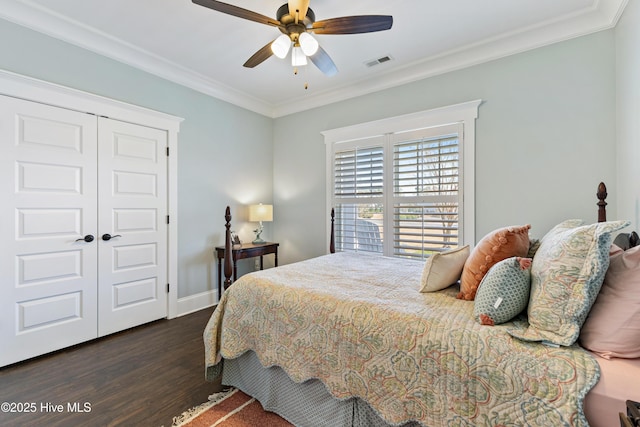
[[566, 275], [503, 292]]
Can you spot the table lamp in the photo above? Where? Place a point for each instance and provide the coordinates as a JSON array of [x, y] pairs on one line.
[[259, 213]]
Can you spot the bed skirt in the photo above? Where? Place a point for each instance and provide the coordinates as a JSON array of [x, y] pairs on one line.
[[306, 404]]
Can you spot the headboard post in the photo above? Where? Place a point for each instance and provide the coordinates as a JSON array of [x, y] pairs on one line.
[[602, 195], [228, 250], [332, 243]]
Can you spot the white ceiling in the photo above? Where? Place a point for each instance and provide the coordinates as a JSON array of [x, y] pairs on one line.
[[204, 49]]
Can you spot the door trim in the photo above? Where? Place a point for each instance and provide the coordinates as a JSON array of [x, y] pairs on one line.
[[28, 88]]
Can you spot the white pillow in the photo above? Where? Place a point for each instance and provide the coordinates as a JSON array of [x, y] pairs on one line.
[[443, 269]]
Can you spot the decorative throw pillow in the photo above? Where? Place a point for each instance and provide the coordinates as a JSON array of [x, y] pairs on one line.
[[500, 244], [613, 326], [534, 244], [503, 292], [566, 276], [443, 269]]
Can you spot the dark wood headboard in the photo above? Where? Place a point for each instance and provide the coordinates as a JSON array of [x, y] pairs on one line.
[[623, 240], [602, 205], [228, 262]]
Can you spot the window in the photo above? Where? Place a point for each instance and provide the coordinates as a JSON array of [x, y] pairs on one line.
[[398, 186], [359, 194], [426, 191]]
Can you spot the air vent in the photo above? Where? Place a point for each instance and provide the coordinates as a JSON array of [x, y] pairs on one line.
[[378, 61]]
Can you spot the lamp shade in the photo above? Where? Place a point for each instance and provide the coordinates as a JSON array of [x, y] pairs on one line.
[[298, 57], [308, 44], [260, 212], [280, 46]]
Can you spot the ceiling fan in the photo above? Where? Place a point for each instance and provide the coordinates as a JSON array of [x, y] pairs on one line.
[[296, 21]]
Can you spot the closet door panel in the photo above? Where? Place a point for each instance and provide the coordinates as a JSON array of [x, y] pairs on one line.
[[48, 295], [132, 173]]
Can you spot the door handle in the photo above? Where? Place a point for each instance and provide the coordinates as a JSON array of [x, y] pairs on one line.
[[108, 236], [88, 238]]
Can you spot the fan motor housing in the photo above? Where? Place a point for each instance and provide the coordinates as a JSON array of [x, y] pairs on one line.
[[286, 19]]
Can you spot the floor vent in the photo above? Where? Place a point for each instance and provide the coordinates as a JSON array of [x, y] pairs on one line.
[[378, 61]]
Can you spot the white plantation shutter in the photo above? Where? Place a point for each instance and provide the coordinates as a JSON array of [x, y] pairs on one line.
[[358, 173], [401, 193], [426, 191], [359, 191], [426, 166]]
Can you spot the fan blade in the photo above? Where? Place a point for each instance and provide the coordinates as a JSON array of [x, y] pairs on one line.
[[322, 60], [353, 24], [301, 6], [237, 11], [260, 56]]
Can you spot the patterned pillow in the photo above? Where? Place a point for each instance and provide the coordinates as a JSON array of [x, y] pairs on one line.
[[503, 292], [500, 244], [566, 276], [534, 244], [443, 269]]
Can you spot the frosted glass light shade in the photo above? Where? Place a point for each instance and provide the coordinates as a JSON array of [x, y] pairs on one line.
[[280, 46], [308, 44], [260, 212], [298, 57]]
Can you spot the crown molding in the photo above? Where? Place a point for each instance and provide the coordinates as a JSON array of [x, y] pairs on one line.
[[603, 15], [33, 16]]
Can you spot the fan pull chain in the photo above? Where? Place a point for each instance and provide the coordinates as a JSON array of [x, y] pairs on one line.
[[295, 72], [306, 84]]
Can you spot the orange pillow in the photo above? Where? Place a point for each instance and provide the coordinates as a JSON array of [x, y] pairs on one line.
[[500, 244]]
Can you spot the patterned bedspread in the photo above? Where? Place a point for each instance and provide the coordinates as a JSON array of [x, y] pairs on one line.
[[359, 324]]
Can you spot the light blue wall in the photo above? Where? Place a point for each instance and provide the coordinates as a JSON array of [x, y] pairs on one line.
[[545, 138], [628, 117], [224, 152]]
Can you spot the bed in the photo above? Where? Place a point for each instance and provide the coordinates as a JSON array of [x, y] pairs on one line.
[[347, 339]]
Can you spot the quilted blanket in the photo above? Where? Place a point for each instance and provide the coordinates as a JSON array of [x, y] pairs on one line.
[[358, 323]]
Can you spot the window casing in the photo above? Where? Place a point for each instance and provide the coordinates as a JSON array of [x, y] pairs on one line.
[[405, 191]]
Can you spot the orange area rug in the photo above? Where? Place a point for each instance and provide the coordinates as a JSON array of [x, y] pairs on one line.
[[231, 408]]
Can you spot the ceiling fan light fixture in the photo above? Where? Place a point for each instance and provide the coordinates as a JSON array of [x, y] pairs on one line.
[[308, 44], [280, 46], [294, 19], [298, 58]]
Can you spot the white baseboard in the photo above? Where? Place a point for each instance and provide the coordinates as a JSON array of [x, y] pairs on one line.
[[197, 302]]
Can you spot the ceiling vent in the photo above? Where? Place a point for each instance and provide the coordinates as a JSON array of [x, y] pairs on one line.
[[378, 61]]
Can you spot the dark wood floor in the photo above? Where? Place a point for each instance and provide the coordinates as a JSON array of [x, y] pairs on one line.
[[140, 377]]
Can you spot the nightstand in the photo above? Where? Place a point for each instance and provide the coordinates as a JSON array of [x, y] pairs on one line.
[[246, 250]]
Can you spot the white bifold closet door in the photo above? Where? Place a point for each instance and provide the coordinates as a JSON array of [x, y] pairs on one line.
[[84, 233], [132, 205]]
